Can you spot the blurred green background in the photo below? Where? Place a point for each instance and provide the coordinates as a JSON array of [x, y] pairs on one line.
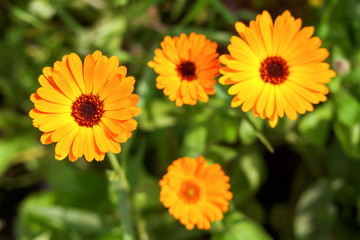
[[309, 189]]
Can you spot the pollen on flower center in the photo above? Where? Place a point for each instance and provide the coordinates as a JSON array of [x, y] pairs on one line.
[[187, 70], [189, 192], [274, 70], [87, 110]]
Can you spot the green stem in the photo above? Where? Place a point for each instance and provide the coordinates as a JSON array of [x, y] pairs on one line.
[[118, 169], [326, 16], [122, 188], [259, 134], [141, 226]]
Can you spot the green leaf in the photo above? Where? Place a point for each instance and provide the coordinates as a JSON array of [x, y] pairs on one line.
[[239, 227], [353, 76], [14, 146], [60, 217], [248, 175], [323, 30], [158, 114], [44, 236], [177, 9], [12, 123], [224, 12], [39, 213], [316, 213], [26, 17], [42, 9], [254, 169], [230, 129], [349, 138], [120, 3], [226, 154], [147, 192], [71, 184], [199, 7], [315, 126], [247, 132], [342, 167], [109, 34], [195, 141], [138, 8], [134, 166], [254, 210], [279, 216], [348, 108]]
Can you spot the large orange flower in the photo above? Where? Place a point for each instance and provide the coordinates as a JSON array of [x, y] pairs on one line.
[[187, 67], [276, 68], [87, 109], [194, 192]]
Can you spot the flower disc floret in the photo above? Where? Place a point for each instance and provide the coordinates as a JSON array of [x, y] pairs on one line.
[[274, 70], [87, 110]]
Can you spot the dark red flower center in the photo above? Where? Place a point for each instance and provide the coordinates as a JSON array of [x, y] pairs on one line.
[[274, 70], [87, 110], [187, 70]]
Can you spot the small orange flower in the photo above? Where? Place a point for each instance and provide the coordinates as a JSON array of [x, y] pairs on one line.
[[276, 68], [187, 67], [194, 192], [86, 109]]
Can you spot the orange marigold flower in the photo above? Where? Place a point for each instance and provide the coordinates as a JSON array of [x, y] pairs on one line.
[[187, 67], [276, 68], [87, 109], [194, 192]]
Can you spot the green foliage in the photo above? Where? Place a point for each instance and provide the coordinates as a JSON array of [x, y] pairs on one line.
[[248, 175], [316, 213], [239, 227], [315, 126]]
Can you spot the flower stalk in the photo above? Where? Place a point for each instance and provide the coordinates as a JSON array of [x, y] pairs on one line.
[[259, 134], [122, 189]]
